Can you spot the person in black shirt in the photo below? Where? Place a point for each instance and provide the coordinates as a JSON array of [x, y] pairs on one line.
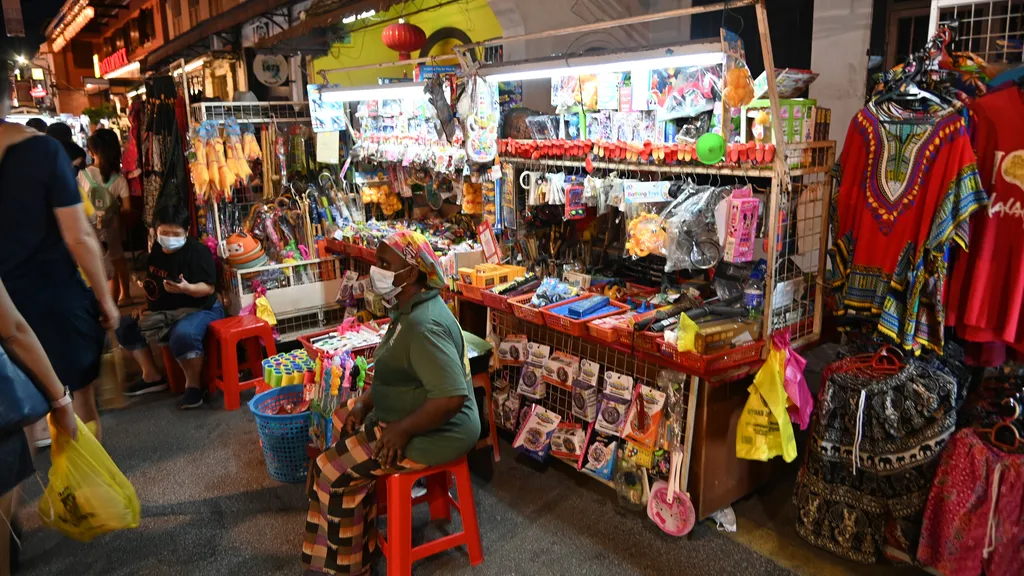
[[181, 305]]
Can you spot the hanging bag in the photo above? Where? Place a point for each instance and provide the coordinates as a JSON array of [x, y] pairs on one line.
[[764, 430], [21, 402], [87, 495]]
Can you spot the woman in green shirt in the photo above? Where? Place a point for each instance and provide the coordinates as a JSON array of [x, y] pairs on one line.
[[420, 410]]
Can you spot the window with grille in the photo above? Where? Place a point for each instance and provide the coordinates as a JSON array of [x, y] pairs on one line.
[[991, 29]]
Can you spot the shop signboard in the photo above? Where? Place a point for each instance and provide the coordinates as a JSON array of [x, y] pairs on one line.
[[113, 62], [13, 21], [37, 92]]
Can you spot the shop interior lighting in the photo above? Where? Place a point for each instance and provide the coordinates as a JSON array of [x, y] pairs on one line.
[[124, 70], [354, 17], [399, 91], [134, 93], [72, 24], [190, 67], [698, 54], [21, 59]]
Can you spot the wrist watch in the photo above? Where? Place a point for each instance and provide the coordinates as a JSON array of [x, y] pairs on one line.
[[63, 401]]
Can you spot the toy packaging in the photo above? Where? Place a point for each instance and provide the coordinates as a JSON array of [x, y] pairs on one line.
[[568, 441], [512, 351], [611, 415], [618, 385], [741, 226], [600, 456], [585, 393], [508, 414], [561, 369], [645, 431], [531, 381], [534, 438]]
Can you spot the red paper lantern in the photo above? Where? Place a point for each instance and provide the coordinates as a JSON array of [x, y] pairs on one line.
[[404, 38]]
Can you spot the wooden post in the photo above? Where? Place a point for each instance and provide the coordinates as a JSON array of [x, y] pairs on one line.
[[780, 173]]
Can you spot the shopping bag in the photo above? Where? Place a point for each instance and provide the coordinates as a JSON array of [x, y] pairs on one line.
[[87, 495], [801, 401], [764, 430]]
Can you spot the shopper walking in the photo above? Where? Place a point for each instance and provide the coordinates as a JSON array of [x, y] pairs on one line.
[[419, 412], [15, 459], [107, 191], [45, 235]]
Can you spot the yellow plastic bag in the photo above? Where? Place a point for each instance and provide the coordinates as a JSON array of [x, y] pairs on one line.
[[264, 311], [87, 495], [764, 430]]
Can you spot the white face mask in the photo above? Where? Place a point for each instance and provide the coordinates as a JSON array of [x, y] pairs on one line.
[[171, 243], [383, 282]]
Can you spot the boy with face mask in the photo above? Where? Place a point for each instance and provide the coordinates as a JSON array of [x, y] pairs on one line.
[[181, 305]]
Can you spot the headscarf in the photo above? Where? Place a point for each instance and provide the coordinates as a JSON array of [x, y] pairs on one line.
[[416, 250]]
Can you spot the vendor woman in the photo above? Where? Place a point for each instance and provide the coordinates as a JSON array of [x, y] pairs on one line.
[[420, 410]]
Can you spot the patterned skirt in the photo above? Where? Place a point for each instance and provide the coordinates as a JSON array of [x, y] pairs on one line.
[[341, 525], [871, 458]]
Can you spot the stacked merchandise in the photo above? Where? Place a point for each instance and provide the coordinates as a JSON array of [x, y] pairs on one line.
[[887, 469]]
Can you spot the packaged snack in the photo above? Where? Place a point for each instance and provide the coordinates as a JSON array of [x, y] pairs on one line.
[[531, 381], [600, 456], [611, 414], [534, 437], [512, 351], [561, 369], [645, 433], [568, 441]]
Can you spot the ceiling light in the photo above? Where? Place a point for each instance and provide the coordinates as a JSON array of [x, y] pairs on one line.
[[386, 92], [21, 59]]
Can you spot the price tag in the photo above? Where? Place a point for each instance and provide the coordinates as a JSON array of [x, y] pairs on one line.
[[492, 252], [646, 192]]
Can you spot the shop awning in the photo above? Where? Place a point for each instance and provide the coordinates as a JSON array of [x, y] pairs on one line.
[[327, 19], [227, 19]]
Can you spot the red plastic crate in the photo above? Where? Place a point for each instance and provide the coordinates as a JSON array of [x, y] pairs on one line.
[[522, 309], [602, 333], [470, 291], [575, 327], [648, 341], [713, 363], [495, 301], [366, 351]]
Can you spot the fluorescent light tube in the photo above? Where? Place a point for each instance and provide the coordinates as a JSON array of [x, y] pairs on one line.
[[399, 91]]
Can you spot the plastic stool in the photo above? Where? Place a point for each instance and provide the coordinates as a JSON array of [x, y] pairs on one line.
[[483, 380], [175, 376], [222, 367], [394, 498]]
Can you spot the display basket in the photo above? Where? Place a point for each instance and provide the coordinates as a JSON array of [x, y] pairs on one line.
[[352, 249], [609, 335], [571, 326], [522, 309], [469, 291], [495, 301], [713, 363], [283, 437], [367, 254], [649, 342], [366, 351]]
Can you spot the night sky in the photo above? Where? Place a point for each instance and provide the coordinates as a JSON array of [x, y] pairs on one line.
[[37, 14]]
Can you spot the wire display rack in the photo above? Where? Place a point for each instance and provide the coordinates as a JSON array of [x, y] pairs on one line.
[[559, 399], [251, 112], [992, 29]]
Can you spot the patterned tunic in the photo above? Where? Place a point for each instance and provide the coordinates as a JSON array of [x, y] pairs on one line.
[[905, 193]]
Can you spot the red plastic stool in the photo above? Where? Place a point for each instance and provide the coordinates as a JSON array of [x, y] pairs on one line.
[[394, 498], [222, 340], [175, 376]]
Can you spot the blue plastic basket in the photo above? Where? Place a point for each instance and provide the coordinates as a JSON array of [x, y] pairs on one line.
[[284, 438]]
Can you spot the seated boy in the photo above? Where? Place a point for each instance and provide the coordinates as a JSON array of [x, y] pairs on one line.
[[181, 305]]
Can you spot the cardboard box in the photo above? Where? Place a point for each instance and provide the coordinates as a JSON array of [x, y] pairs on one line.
[[724, 335]]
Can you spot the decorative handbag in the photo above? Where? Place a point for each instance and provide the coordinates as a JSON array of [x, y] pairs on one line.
[[21, 402]]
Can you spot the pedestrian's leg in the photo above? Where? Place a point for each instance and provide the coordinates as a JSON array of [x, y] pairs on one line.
[[186, 342], [84, 402], [121, 288]]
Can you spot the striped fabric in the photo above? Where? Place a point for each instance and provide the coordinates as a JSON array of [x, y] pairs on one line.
[[341, 525]]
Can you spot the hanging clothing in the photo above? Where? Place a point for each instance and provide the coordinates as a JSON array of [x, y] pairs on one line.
[[986, 300], [871, 457], [975, 515], [341, 524], [906, 190]]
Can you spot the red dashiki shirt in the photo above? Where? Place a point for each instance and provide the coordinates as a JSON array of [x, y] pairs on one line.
[[906, 190], [986, 299]]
